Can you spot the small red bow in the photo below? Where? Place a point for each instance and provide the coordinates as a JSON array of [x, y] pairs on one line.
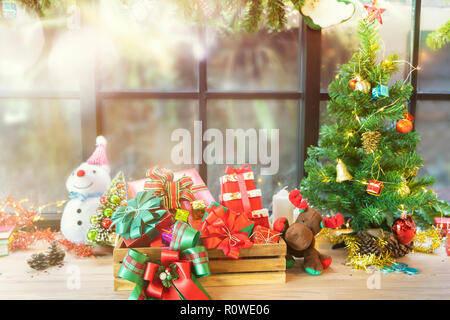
[[182, 287]]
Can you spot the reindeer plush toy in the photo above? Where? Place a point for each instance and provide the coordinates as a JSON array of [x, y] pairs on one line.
[[299, 236]]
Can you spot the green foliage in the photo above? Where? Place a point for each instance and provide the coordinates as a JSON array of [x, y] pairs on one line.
[[395, 161], [440, 37]]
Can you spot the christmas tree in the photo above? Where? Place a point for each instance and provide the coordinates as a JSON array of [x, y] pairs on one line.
[[365, 164], [100, 233]]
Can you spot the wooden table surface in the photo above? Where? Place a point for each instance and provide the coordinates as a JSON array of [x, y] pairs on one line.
[[18, 281]]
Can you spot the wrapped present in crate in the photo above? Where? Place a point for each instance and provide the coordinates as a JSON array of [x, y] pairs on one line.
[[238, 192], [226, 230], [258, 264], [263, 235], [141, 220], [180, 190], [198, 188]]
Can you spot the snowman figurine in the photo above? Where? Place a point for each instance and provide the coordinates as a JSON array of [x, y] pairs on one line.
[[86, 184]]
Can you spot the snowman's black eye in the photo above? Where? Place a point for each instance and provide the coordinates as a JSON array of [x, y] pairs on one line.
[[79, 222], [79, 210], [94, 171]]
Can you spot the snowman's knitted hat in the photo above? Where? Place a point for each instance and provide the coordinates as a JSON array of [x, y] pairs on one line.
[[99, 157]]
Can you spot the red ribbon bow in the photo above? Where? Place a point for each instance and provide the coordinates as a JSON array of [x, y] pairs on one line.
[[162, 183], [183, 287], [242, 169], [222, 230]]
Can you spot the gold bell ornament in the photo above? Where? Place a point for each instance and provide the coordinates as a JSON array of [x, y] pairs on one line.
[[342, 173]]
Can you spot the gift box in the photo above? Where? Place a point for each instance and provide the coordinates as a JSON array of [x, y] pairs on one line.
[[226, 230], [380, 92], [135, 186], [442, 224], [264, 235], [200, 190], [238, 192], [141, 220], [182, 215]]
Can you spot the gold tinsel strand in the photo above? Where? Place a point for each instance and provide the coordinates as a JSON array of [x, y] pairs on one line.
[[354, 258], [427, 241], [370, 140]]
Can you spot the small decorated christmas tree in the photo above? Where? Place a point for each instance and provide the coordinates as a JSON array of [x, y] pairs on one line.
[[365, 164], [100, 233]]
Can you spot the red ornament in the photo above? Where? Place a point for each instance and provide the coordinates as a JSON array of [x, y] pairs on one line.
[[404, 229], [352, 83], [404, 126], [374, 12], [375, 187], [102, 199], [106, 223], [119, 185]]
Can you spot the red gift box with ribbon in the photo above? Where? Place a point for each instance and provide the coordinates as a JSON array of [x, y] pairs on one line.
[[238, 192], [264, 235], [144, 241], [226, 230]]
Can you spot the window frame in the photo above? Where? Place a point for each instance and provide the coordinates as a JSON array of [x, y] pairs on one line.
[[308, 95]]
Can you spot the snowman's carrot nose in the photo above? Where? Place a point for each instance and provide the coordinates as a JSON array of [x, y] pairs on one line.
[[81, 173]]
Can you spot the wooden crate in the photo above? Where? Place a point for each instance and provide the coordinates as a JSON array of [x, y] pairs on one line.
[[260, 264]]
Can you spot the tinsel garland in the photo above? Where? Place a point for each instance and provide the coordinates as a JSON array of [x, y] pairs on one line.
[[26, 233], [427, 241], [424, 241], [355, 259], [23, 240]]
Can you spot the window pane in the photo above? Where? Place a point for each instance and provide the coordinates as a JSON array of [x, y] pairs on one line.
[[435, 65], [339, 43], [261, 61], [432, 123], [41, 144], [270, 115], [41, 53], [139, 133], [150, 47]]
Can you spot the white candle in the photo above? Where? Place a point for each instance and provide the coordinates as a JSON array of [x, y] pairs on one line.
[[281, 206]]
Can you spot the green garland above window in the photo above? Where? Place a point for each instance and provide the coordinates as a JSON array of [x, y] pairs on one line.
[[247, 15], [252, 15]]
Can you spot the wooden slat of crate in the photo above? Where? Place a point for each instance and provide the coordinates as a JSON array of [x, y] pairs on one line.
[[241, 265], [260, 264], [258, 250], [223, 279]]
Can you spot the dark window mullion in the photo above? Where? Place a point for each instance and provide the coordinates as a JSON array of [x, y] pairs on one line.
[[415, 54], [202, 98]]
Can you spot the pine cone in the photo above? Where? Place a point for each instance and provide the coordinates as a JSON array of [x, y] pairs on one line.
[[370, 140], [38, 261], [55, 255], [397, 249], [367, 244]]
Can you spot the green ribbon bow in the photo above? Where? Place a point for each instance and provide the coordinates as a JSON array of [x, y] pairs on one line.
[[140, 216]]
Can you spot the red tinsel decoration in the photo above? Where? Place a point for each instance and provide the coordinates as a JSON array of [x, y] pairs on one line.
[[26, 233], [22, 240], [80, 250], [22, 217]]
